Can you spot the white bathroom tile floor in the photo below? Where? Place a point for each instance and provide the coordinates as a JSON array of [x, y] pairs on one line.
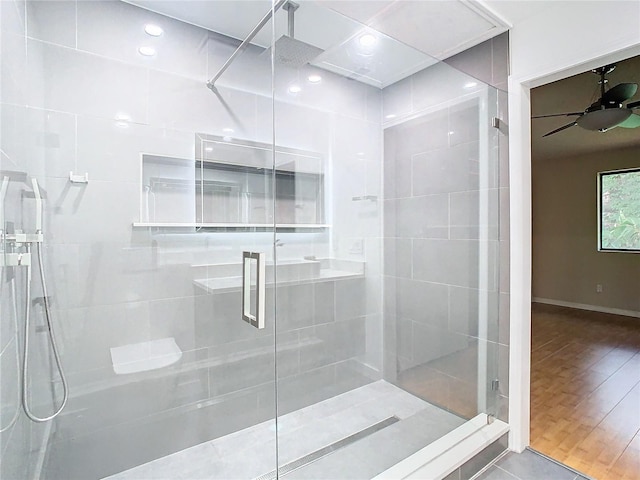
[[251, 452]]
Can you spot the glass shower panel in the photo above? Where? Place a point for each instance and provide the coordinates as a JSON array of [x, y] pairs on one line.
[[442, 229], [391, 335], [329, 315], [144, 255]]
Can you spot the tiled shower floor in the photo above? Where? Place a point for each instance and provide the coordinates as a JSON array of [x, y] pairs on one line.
[[250, 453]]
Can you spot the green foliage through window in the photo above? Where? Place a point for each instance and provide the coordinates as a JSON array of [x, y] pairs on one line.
[[620, 210]]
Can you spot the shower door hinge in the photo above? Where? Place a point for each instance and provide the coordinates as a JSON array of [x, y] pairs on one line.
[[495, 122], [495, 385]]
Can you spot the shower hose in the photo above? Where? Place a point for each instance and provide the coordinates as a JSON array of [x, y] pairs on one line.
[[52, 338]]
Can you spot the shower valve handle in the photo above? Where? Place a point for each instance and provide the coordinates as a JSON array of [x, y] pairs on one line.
[[16, 238]]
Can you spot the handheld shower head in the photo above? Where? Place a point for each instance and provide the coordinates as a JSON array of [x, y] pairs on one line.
[[38, 197]]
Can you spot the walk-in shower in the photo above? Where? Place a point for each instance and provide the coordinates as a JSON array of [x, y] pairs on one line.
[[295, 272]]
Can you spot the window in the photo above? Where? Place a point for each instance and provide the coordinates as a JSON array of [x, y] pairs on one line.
[[619, 210]]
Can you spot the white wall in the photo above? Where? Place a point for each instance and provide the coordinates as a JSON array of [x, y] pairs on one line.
[[556, 40], [567, 265]]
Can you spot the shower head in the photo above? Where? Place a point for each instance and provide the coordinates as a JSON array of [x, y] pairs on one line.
[[293, 53], [289, 51]]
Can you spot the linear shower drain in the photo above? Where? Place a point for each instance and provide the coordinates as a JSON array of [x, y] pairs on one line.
[[323, 452]]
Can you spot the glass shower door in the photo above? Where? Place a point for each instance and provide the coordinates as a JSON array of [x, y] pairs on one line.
[[158, 247]]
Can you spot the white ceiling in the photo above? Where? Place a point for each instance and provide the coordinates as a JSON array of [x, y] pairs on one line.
[[411, 34], [574, 94]]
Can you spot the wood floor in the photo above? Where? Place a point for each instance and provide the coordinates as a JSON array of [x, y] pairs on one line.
[[585, 390]]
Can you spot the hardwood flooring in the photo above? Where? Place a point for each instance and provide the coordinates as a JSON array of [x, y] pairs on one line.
[[585, 390]]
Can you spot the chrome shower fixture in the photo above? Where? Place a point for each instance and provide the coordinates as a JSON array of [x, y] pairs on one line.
[[288, 50], [20, 256]]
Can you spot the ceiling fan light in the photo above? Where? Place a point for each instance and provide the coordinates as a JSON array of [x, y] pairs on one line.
[[603, 119]]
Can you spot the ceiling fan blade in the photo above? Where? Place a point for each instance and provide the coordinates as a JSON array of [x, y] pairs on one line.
[[632, 122], [620, 93], [633, 104], [560, 129], [558, 115], [603, 119]]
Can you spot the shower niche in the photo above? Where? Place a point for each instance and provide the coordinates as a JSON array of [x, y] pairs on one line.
[[232, 185]]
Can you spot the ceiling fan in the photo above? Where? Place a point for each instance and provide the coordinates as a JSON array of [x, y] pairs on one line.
[[607, 112]]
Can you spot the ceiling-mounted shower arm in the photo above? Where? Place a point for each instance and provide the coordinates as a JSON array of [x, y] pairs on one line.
[[290, 7], [211, 84]]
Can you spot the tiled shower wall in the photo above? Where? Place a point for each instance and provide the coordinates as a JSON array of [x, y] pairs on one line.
[[436, 172], [74, 69]]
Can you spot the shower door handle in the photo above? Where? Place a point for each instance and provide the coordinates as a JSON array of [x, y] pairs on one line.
[[256, 320]]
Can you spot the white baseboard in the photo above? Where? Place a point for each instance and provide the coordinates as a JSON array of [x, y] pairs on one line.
[[584, 306]]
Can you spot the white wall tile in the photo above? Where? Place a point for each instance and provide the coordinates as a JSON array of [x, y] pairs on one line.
[[250, 71], [53, 21], [43, 142], [110, 150], [455, 262], [334, 93], [396, 99], [87, 84], [13, 50], [95, 212], [446, 170], [438, 84], [88, 334], [182, 104], [297, 126], [464, 123]]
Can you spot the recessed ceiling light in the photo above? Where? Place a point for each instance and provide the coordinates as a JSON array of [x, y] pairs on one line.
[[451, 133], [208, 149], [153, 30], [390, 116], [147, 51], [361, 154], [470, 84], [294, 89], [227, 130], [367, 40], [315, 78]]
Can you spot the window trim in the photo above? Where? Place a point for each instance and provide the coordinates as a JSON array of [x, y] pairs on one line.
[[600, 175]]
